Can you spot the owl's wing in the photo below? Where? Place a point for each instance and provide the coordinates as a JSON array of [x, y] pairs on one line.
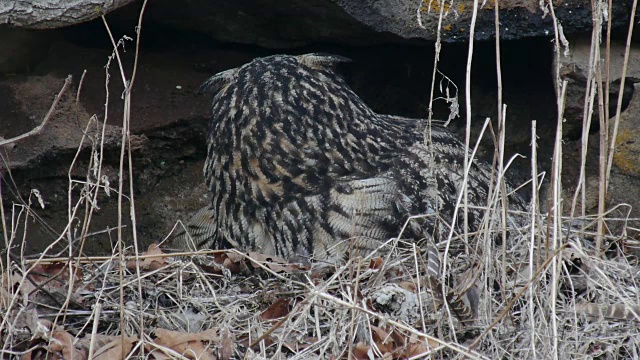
[[197, 233], [355, 215]]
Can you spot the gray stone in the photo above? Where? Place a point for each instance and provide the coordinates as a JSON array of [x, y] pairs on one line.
[[51, 14], [288, 23], [575, 69], [518, 18], [626, 156]]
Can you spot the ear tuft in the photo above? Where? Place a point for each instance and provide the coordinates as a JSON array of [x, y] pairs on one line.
[[322, 61], [218, 82]]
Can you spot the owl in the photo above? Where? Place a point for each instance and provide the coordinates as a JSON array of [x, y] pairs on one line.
[[300, 167]]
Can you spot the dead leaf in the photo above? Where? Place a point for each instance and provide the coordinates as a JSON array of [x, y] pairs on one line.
[[376, 263], [227, 345], [235, 257], [275, 263], [399, 338], [298, 346], [197, 345], [57, 275], [30, 319], [111, 347], [53, 280], [361, 351], [187, 344], [151, 263], [277, 310], [58, 270], [408, 285], [238, 263], [417, 346], [230, 260], [61, 342], [383, 340], [10, 283]]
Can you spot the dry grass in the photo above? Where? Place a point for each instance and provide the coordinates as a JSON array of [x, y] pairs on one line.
[[255, 306], [554, 287]]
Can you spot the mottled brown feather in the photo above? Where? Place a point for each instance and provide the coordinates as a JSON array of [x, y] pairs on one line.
[[297, 163]]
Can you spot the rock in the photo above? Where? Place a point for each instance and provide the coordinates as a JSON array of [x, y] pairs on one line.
[[623, 182], [267, 23], [289, 23], [518, 18], [356, 22], [623, 187], [626, 156], [574, 69], [51, 14]]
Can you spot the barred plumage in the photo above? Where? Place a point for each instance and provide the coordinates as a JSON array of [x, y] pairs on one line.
[[297, 162]]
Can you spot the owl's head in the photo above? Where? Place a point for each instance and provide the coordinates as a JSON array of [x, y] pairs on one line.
[[266, 70]]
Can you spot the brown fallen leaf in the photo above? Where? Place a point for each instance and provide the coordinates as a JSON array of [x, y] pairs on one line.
[[298, 346], [240, 263], [30, 319], [57, 275], [150, 264], [361, 351], [277, 310], [110, 347], [187, 344], [48, 284], [417, 346], [61, 343], [376, 263], [385, 343], [274, 263], [57, 270], [10, 283], [227, 345], [408, 285], [234, 262], [197, 345]]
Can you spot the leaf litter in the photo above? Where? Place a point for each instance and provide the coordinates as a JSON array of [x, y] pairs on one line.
[[235, 305]]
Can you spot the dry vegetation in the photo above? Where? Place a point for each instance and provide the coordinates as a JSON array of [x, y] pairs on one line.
[[564, 287]]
